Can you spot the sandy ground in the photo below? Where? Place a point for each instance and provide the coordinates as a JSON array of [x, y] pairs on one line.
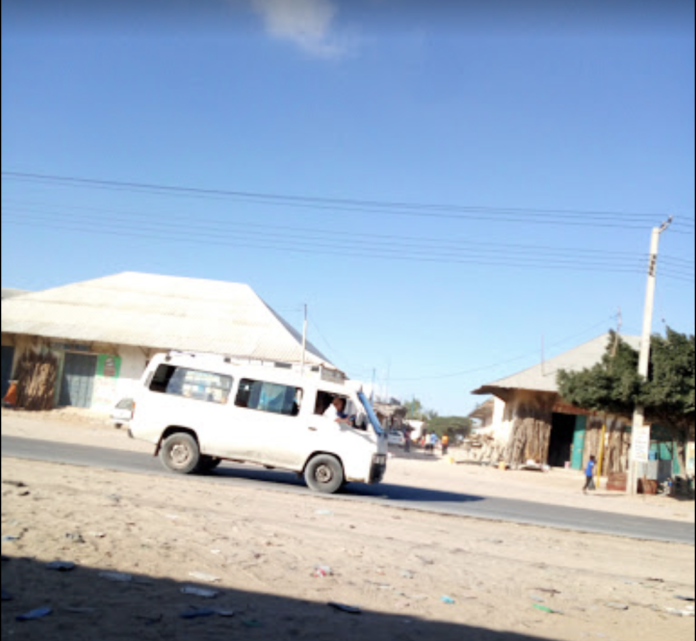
[[558, 487], [259, 549]]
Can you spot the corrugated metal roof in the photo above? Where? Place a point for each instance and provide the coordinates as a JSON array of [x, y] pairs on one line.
[[542, 377], [161, 312]]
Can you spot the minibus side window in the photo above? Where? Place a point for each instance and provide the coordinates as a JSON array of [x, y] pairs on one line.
[[191, 383], [269, 397]]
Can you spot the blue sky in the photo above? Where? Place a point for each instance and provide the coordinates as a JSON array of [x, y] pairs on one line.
[[554, 114]]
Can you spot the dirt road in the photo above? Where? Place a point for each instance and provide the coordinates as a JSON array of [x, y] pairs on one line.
[[262, 549]]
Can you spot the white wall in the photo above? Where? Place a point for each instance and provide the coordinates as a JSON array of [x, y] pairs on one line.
[[109, 391], [132, 368], [501, 425]]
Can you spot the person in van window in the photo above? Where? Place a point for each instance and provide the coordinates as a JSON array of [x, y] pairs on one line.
[[336, 411]]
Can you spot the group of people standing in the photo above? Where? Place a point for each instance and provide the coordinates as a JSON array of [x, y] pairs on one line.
[[430, 441]]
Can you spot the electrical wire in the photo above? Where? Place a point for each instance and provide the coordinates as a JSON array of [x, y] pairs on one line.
[[332, 233], [308, 236], [335, 249], [685, 261], [402, 242], [506, 362], [333, 350], [394, 208]]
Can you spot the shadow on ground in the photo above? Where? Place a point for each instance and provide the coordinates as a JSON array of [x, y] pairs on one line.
[[381, 490], [86, 607]]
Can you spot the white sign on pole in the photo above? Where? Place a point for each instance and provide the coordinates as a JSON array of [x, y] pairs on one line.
[[641, 451]]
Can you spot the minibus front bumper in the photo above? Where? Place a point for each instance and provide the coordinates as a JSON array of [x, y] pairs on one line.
[[378, 468]]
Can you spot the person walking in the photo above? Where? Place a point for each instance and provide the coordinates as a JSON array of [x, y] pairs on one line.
[[432, 442], [589, 474], [445, 444]]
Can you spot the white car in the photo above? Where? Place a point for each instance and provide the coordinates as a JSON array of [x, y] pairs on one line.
[[123, 412], [396, 437]]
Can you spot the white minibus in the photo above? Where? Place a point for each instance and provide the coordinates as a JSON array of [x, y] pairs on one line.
[[201, 409]]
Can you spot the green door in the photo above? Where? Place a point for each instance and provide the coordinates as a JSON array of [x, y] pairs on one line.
[[579, 442]]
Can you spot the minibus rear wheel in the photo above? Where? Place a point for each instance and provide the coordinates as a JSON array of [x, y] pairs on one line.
[[180, 453], [324, 473]]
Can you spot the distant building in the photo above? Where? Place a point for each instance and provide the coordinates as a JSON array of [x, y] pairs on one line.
[[530, 421], [483, 415], [391, 414], [87, 344]]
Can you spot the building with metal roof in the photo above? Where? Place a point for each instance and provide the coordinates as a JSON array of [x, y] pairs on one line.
[[530, 420], [99, 334], [542, 376]]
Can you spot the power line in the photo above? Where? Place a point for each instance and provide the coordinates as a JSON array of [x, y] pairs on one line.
[[682, 278], [677, 267], [383, 253], [337, 353], [506, 362], [669, 269], [526, 215], [672, 259], [395, 240], [333, 233], [308, 235]]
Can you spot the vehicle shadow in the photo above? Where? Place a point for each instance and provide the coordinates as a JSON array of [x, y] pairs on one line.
[[385, 491], [408, 493], [86, 605]]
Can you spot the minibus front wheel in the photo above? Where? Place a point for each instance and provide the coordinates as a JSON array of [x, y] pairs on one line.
[[324, 473]]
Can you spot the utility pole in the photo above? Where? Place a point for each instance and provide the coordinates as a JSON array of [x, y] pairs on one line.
[[372, 387], [304, 341], [640, 437]]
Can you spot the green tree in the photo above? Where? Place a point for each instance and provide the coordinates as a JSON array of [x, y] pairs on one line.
[[614, 386], [451, 425], [417, 412], [670, 392], [415, 409]]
